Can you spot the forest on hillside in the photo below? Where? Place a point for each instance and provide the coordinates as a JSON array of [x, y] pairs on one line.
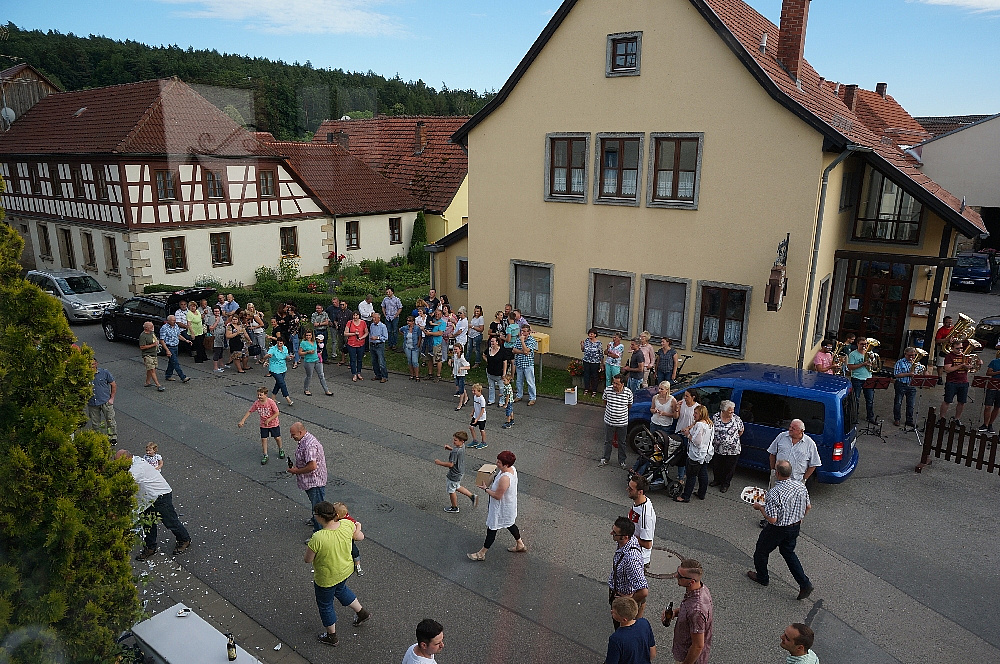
[[288, 100]]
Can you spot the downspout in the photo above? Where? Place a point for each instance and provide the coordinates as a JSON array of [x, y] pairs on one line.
[[932, 311], [848, 151]]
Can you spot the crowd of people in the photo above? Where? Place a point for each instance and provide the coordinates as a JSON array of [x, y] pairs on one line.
[[332, 550]]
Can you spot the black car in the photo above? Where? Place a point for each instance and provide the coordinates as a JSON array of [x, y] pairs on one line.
[[988, 331], [125, 320]]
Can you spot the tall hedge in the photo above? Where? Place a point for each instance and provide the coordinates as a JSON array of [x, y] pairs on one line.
[[417, 256], [66, 507]]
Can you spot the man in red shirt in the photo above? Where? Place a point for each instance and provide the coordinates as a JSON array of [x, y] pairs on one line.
[[957, 379], [939, 346]]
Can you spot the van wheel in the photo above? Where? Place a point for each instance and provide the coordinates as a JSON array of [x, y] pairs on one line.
[[640, 440], [109, 332]]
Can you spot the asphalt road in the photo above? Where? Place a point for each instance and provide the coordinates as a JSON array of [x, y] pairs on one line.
[[904, 565]]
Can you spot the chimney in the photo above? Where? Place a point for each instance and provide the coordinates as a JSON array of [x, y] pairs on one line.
[[880, 89], [792, 35], [850, 96], [419, 137]]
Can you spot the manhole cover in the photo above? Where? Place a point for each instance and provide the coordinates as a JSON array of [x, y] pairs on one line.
[[663, 563], [384, 507]]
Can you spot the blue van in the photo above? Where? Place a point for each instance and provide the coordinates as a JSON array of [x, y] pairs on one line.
[[768, 397], [974, 270]]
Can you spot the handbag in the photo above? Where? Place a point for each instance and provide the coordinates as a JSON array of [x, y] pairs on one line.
[[254, 350]]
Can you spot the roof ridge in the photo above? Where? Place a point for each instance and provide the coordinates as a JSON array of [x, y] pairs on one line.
[[146, 115]]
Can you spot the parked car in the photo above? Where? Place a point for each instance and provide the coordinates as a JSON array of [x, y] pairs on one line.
[[975, 270], [124, 321], [988, 331], [768, 397], [83, 298]]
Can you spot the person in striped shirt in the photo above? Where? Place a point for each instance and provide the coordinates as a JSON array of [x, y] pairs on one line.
[[617, 401], [785, 506]]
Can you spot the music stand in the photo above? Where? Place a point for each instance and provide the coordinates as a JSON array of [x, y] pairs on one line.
[[875, 383], [920, 382]]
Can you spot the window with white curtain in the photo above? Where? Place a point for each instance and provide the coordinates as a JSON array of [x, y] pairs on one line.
[[533, 291], [723, 311], [612, 302], [664, 308]]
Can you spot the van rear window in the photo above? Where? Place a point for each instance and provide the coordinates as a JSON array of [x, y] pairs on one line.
[[778, 411], [850, 408]]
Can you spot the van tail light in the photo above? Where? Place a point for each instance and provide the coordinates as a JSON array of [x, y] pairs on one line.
[[838, 451]]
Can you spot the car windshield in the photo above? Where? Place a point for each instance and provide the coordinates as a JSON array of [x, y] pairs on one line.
[[78, 285], [973, 261]]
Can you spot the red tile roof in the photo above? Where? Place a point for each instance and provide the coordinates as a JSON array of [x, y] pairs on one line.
[[387, 144], [741, 27], [944, 124], [151, 117], [883, 115], [343, 183], [24, 70]]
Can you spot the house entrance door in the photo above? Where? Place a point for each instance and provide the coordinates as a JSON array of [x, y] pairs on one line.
[[875, 303]]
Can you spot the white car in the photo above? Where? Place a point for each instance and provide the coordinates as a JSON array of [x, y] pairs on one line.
[[83, 298]]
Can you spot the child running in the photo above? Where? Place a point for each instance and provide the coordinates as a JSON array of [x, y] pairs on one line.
[[478, 418], [459, 367], [341, 511], [456, 469], [154, 459], [506, 400], [269, 428]]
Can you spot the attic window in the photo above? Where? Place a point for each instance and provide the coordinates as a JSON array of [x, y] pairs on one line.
[[80, 112], [623, 54]]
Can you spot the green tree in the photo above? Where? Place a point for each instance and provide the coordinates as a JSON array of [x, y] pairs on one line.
[[417, 256], [66, 508]]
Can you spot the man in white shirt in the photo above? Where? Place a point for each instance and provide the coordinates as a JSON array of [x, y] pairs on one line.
[[798, 449], [642, 515], [366, 309], [155, 498], [430, 641]]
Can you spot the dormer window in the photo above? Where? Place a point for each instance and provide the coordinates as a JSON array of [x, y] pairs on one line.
[[623, 54]]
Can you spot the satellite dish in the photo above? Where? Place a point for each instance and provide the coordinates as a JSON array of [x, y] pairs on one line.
[[8, 115]]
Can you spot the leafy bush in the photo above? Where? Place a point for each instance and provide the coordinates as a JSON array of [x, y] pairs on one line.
[[265, 273], [417, 256], [288, 269], [161, 288]]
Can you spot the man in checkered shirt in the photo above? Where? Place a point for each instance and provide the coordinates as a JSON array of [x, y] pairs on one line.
[[627, 578], [784, 508]]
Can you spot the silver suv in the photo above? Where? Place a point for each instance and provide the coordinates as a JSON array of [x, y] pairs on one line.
[[82, 297]]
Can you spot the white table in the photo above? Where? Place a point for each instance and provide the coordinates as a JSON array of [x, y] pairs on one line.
[[172, 639]]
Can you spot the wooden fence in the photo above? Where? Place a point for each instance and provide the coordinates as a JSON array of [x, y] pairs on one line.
[[953, 441]]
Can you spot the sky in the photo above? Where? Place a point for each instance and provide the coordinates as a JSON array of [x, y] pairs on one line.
[[939, 57]]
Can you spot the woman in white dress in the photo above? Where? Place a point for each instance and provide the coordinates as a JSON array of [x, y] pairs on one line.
[[699, 453], [502, 509]]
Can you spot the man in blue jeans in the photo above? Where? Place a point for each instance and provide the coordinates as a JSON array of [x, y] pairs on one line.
[[524, 363], [860, 368], [309, 467], [902, 372], [391, 306], [378, 334], [636, 367], [170, 338]]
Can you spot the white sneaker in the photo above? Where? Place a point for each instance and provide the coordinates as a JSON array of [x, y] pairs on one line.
[[602, 462]]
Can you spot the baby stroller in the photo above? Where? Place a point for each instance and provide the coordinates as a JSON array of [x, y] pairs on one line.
[[662, 452]]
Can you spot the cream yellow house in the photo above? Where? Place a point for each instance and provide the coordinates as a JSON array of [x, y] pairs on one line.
[[643, 165]]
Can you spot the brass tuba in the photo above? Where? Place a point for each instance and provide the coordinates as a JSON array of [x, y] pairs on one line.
[[964, 329], [918, 366], [872, 357]]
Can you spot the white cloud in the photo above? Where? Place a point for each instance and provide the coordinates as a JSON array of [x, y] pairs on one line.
[[975, 5], [289, 17]]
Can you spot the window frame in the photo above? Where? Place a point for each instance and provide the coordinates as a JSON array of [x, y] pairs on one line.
[[283, 244], [55, 180], [654, 148], [599, 198], [272, 193], [459, 283], [89, 251], [849, 189], [680, 344], [724, 351], [225, 245], [822, 308], [864, 194], [514, 264], [214, 184], [67, 250], [79, 186], [111, 266], [169, 178], [101, 183], [567, 136], [44, 242], [395, 234], [34, 179], [610, 70], [173, 239], [356, 224], [591, 292]]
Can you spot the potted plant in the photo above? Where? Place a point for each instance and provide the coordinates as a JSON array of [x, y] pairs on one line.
[[575, 370]]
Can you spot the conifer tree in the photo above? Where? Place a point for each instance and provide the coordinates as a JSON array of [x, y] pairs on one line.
[[417, 255], [66, 508]]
